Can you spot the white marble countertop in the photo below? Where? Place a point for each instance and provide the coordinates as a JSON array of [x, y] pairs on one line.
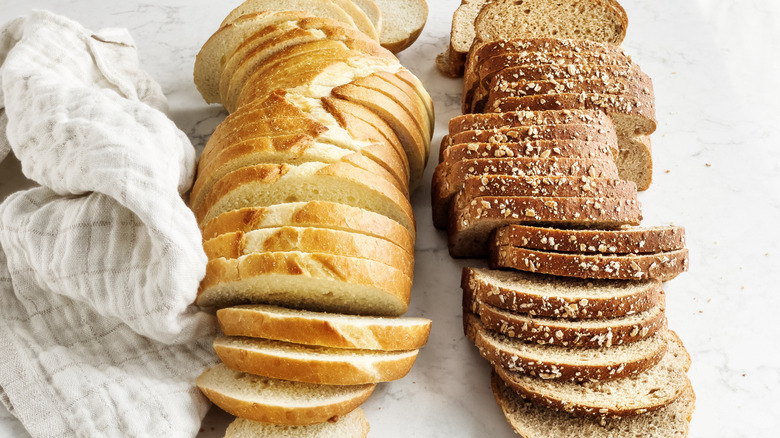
[[714, 65]]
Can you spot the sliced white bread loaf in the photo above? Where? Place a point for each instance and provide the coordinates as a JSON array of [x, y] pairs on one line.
[[276, 401], [626, 241], [531, 420], [473, 219], [532, 149], [269, 184], [560, 297], [351, 425], [647, 391], [311, 281], [312, 364], [552, 362], [595, 20], [313, 240], [573, 332], [662, 266], [311, 214], [402, 22], [324, 329]]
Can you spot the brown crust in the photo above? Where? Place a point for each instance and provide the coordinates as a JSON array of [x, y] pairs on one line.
[[472, 220], [313, 240], [532, 149], [475, 283], [628, 241], [662, 266], [533, 360], [288, 415], [314, 213], [313, 368], [326, 269], [480, 121], [324, 329]]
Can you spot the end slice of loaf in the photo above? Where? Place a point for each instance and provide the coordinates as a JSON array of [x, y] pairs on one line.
[[324, 329], [311, 281], [276, 401], [531, 420], [647, 391], [626, 241], [312, 364], [560, 297], [351, 425], [662, 266], [402, 22]]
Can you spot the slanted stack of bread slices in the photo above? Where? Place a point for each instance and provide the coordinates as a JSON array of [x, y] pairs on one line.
[[302, 195], [541, 175]]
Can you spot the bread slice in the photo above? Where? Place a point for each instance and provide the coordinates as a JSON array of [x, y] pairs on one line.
[[473, 219], [531, 420], [417, 85], [633, 395], [309, 281], [372, 11], [326, 8], [574, 333], [489, 121], [324, 329], [595, 20], [560, 297], [402, 22], [351, 425], [553, 363], [581, 132], [662, 266], [313, 240], [312, 364], [626, 241], [275, 401], [532, 149], [269, 184], [362, 21], [462, 35], [320, 214]]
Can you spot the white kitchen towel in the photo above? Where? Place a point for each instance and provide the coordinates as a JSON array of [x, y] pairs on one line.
[[100, 265]]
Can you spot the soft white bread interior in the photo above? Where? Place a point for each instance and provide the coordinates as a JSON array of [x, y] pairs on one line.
[[352, 425]]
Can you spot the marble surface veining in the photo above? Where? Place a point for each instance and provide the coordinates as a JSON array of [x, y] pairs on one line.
[[714, 64]]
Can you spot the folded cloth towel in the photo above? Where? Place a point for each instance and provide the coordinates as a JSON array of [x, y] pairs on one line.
[[100, 264]]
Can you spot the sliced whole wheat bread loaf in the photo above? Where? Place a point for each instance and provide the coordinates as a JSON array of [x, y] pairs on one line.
[[324, 329], [351, 425], [637, 394], [531, 420], [275, 401], [312, 364], [560, 297], [662, 266]]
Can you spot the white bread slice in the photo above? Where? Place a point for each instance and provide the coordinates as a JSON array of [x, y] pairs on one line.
[[359, 16], [313, 240], [626, 241], [560, 297], [312, 364], [310, 281], [662, 266], [372, 11], [595, 20], [324, 329], [637, 394], [402, 22], [325, 8], [276, 401], [473, 219], [531, 420], [320, 214], [550, 362], [574, 333], [269, 184], [351, 425]]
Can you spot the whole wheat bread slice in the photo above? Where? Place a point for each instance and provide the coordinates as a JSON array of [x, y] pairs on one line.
[[452, 60], [275, 401], [310, 281], [627, 241], [582, 132], [560, 297], [662, 266], [647, 391], [469, 122], [324, 329], [552, 363], [312, 364], [351, 425], [473, 219], [531, 420], [532, 149]]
